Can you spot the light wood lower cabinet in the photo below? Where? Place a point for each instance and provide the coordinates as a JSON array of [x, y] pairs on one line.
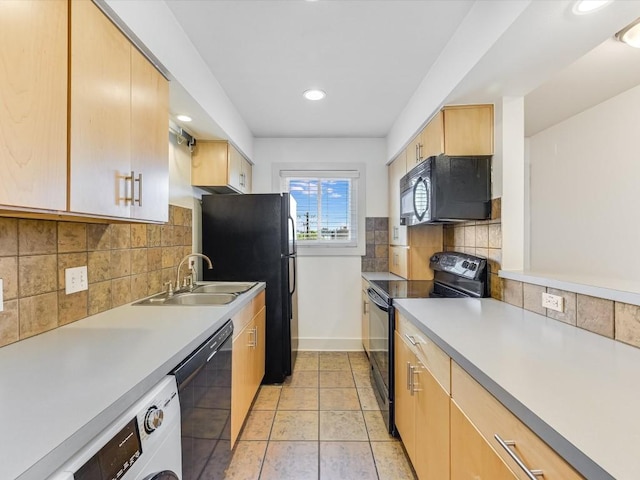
[[365, 316], [448, 422], [248, 359], [472, 458], [490, 417], [422, 403]]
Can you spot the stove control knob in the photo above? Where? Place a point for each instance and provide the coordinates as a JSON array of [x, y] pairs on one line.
[[153, 419]]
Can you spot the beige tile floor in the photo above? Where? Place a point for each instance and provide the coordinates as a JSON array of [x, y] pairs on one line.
[[322, 423]]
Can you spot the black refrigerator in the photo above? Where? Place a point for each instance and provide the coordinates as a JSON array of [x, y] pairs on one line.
[[252, 238]]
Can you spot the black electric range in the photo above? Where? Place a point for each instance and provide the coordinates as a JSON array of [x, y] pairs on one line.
[[456, 275]]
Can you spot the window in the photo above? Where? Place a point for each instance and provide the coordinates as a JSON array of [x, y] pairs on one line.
[[327, 203]]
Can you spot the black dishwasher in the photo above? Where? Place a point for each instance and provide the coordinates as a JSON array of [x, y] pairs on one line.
[[204, 388]]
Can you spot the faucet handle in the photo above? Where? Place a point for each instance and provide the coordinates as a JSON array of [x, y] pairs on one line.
[[169, 286]]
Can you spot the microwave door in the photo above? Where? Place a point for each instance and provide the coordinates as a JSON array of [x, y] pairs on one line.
[[421, 203]]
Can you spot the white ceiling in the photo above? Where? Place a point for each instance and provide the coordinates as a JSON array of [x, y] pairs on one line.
[[371, 57]]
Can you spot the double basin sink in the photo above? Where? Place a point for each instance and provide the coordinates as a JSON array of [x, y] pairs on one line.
[[206, 293]]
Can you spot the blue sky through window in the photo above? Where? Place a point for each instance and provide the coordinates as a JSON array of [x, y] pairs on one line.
[[324, 205]]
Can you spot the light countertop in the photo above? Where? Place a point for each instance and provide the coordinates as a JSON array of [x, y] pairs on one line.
[[577, 390], [61, 388], [368, 276]]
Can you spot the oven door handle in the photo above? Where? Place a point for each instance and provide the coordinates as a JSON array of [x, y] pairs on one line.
[[375, 299]]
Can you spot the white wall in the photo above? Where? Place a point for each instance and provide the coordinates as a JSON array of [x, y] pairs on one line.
[[181, 193], [585, 195], [329, 288]]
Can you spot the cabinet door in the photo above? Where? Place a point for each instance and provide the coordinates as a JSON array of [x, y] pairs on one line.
[[433, 137], [413, 152], [432, 426], [404, 401], [33, 104], [240, 380], [468, 130], [365, 320], [259, 350], [149, 140], [397, 169], [234, 174], [247, 172], [398, 261], [100, 117], [472, 458]]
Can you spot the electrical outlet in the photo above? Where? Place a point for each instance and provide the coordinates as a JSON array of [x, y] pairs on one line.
[[75, 279], [1, 296], [553, 302]]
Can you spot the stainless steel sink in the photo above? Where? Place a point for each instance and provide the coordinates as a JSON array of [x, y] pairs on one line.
[[224, 287], [201, 299], [189, 298]]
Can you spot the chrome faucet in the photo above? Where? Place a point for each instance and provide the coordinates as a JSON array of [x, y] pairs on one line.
[[187, 258]]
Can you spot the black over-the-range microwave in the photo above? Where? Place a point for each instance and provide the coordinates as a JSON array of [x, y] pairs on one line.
[[444, 189]]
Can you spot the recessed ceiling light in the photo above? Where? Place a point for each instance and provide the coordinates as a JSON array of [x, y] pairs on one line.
[[314, 94], [183, 118], [582, 7], [630, 34]]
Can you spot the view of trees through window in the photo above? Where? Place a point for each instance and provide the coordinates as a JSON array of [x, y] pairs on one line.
[[324, 208]]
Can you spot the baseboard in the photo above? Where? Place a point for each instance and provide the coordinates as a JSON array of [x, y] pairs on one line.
[[330, 344]]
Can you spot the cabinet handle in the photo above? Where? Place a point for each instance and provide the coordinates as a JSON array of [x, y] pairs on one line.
[[531, 474], [419, 152], [414, 371], [411, 338], [139, 180], [365, 304], [409, 376], [242, 180], [252, 338]]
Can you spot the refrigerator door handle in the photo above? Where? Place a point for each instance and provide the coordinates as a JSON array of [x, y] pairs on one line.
[[295, 273], [293, 233]]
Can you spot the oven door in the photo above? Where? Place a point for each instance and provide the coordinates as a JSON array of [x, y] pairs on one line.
[[381, 354]]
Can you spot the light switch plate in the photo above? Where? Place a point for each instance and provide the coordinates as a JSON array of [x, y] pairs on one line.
[[1, 296], [75, 279]]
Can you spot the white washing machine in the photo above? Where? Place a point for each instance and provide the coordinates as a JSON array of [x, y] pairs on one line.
[[143, 444]]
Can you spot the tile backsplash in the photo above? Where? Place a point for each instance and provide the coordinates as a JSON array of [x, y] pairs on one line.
[[377, 242], [616, 320], [125, 262], [481, 238]]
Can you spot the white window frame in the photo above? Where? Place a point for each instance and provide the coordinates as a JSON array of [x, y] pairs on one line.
[[355, 171]]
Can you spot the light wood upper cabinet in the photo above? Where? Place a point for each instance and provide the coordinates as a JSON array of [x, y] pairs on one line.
[[149, 140], [118, 140], [33, 104], [456, 130], [248, 360], [468, 130], [432, 136], [219, 167], [397, 170], [100, 123]]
